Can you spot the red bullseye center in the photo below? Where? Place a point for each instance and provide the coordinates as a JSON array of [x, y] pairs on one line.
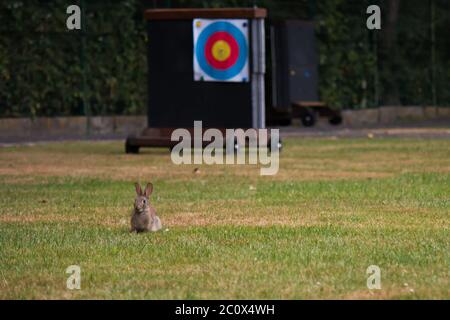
[[234, 50]]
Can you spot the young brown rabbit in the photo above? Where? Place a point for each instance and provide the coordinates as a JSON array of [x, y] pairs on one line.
[[143, 217]]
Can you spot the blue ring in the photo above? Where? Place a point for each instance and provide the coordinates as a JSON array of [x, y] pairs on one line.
[[200, 50]]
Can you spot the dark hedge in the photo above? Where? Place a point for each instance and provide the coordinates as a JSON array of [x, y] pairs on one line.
[[45, 69]]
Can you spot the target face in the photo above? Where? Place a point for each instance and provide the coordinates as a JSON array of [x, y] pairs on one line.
[[221, 50]]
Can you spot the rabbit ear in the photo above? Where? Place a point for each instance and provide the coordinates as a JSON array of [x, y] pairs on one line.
[[138, 189], [148, 190]]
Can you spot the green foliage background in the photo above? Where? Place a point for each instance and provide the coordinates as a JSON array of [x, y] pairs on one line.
[[41, 66], [42, 63]]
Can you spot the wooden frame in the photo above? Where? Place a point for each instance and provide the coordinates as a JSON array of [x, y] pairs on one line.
[[158, 134], [161, 137], [213, 13], [308, 111]]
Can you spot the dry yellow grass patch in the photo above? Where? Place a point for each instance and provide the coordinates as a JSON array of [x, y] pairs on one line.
[[384, 294], [32, 218], [358, 160]]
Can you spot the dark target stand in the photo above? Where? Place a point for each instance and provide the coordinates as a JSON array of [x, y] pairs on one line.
[[176, 99]]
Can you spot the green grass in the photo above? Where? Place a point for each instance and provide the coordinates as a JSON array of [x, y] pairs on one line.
[[311, 231]]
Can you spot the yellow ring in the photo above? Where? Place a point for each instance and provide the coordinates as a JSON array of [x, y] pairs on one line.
[[221, 50]]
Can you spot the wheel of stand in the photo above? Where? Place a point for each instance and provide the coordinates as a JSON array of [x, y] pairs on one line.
[[235, 149], [236, 146], [278, 147], [309, 119], [131, 149], [335, 120]]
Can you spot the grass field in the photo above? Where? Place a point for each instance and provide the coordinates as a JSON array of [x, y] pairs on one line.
[[335, 207]]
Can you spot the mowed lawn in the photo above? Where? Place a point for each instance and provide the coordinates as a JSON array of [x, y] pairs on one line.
[[335, 207]]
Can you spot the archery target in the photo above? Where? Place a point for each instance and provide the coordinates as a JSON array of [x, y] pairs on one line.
[[221, 50]]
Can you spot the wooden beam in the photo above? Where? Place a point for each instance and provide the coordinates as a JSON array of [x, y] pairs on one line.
[[310, 104], [212, 13]]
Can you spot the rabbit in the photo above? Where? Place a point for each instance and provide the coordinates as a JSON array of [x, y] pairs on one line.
[[143, 217]]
